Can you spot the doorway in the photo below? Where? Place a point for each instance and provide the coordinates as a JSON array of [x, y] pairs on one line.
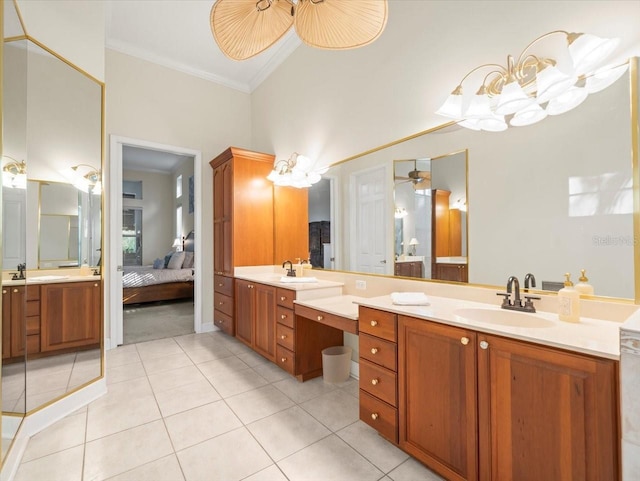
[[126, 154]]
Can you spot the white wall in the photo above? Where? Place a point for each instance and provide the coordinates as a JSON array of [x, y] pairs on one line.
[[185, 168]]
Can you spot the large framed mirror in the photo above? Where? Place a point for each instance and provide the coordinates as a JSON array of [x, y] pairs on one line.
[[549, 198], [53, 125]]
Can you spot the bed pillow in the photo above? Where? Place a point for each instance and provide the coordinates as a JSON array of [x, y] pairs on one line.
[[176, 261], [158, 263], [188, 260], [167, 258]]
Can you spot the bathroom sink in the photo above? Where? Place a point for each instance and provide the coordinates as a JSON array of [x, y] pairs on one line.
[[47, 278], [298, 280], [503, 317]]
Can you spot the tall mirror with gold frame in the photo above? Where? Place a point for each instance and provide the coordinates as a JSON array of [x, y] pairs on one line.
[[52, 246]]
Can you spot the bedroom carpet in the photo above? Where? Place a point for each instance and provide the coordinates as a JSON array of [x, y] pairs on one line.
[[147, 322]]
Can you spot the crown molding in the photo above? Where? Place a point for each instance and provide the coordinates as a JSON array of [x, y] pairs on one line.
[[288, 45]]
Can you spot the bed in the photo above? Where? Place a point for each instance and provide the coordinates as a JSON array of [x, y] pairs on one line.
[[142, 284]]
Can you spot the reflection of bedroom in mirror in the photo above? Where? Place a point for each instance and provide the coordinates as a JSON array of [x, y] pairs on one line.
[[320, 247], [157, 244]]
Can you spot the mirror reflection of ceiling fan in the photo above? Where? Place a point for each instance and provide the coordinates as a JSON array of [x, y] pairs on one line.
[[421, 179]]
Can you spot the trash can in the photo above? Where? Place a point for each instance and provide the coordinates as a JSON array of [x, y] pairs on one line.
[[336, 363]]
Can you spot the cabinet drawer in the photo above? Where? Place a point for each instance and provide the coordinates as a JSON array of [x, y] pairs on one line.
[[379, 415], [284, 316], [223, 303], [33, 344], [33, 325], [223, 285], [339, 322], [33, 293], [285, 297], [378, 323], [224, 322], [378, 381], [379, 351], [285, 359], [33, 308], [284, 336]]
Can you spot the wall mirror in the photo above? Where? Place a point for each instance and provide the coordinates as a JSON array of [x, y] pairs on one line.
[[52, 223], [549, 198]]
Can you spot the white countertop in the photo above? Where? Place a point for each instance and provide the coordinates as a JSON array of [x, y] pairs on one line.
[[49, 280], [273, 279], [589, 336], [343, 306], [451, 260]]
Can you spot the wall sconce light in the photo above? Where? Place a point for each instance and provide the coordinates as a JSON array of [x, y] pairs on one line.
[[527, 90], [297, 171], [400, 213], [413, 243], [14, 173], [460, 204], [86, 178], [177, 243]]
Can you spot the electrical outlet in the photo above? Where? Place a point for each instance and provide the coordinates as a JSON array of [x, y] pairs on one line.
[[362, 285]]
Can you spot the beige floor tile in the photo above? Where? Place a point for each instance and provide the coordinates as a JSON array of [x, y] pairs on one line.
[[252, 358], [225, 365], [199, 424], [61, 466], [64, 434], [122, 392], [331, 458], [197, 341], [121, 452], [122, 355], [412, 470], [286, 432], [45, 382], [366, 440], [159, 348], [37, 400], [104, 420], [303, 391], [205, 354], [51, 364], [272, 473], [352, 387], [166, 363], [231, 456], [83, 375], [335, 409], [271, 372], [186, 397], [164, 469], [164, 381], [258, 403], [125, 372], [231, 383]]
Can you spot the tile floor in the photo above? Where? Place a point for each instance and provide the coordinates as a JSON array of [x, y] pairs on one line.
[[205, 407]]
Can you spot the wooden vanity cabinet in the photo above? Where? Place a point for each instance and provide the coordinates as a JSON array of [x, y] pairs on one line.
[[256, 317], [451, 272], [6, 322], [409, 269], [71, 315], [20, 321]]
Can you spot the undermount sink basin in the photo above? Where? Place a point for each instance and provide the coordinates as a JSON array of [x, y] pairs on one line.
[[47, 278], [503, 317]]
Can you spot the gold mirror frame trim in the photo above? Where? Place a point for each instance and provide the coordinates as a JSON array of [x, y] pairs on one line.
[[634, 98], [101, 84]]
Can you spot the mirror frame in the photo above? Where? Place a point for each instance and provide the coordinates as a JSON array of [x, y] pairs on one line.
[[634, 100]]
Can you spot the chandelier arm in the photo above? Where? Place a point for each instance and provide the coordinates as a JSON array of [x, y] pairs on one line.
[[500, 67], [538, 39]]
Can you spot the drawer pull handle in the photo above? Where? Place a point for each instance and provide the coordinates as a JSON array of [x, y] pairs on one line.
[[284, 336], [320, 318], [464, 341], [15, 290], [374, 350], [282, 298], [374, 416], [4, 291], [220, 303], [220, 284], [95, 285], [374, 381], [283, 316], [484, 344], [374, 323], [284, 359]]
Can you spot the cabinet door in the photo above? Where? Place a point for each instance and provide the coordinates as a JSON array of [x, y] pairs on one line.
[[70, 315], [222, 221], [437, 397], [264, 340], [548, 414], [451, 272], [6, 322], [244, 299], [18, 320]]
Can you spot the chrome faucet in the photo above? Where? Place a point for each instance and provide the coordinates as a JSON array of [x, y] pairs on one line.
[[527, 278], [290, 271], [517, 305]]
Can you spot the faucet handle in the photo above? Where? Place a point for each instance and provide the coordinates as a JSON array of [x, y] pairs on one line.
[[505, 300]]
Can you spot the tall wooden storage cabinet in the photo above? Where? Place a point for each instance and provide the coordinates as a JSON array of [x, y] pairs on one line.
[[253, 223]]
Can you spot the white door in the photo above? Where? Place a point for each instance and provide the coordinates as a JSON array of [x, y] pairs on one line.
[[370, 240], [14, 238]]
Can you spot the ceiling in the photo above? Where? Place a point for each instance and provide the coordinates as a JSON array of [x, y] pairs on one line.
[[177, 34], [148, 160]]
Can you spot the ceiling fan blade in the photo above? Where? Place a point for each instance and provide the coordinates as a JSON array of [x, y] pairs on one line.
[[242, 29], [424, 184], [340, 24]]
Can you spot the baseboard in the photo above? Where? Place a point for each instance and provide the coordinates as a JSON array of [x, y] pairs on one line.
[[208, 327], [355, 370], [11, 462]]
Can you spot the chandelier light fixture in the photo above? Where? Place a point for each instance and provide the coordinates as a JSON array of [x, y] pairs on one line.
[[14, 173], [531, 87], [245, 28], [298, 171], [85, 178]]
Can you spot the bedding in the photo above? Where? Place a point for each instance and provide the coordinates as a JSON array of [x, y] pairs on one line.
[[141, 276]]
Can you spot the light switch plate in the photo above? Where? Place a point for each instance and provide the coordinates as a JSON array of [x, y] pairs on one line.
[[362, 285]]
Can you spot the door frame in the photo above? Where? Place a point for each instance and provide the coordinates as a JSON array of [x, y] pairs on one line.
[[116, 144]]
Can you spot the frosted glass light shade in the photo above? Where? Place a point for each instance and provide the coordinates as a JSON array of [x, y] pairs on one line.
[[512, 99], [452, 107], [567, 101], [493, 124], [303, 164], [587, 51], [532, 114], [603, 78], [479, 107], [472, 124], [551, 82]]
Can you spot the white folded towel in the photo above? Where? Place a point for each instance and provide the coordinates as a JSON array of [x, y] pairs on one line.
[[409, 299], [298, 280]]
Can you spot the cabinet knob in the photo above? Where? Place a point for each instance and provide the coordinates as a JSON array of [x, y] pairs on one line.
[[320, 318], [464, 341], [283, 316], [374, 416], [220, 303], [374, 381], [284, 359], [374, 323], [220, 284], [15, 290], [282, 298], [95, 285], [374, 350], [484, 344], [284, 336], [4, 291]]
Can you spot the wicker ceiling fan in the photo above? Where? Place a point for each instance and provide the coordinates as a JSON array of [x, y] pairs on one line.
[[244, 28], [421, 179]]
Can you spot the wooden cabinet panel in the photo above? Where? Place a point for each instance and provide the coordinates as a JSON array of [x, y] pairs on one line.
[[455, 232], [437, 396], [224, 322], [291, 220], [18, 315], [264, 333], [379, 415], [343, 323], [440, 223], [548, 414], [285, 336], [451, 272], [6, 323], [379, 382], [285, 316], [70, 314], [409, 269], [285, 297], [286, 359], [244, 311], [223, 303], [223, 285], [378, 351], [378, 323]]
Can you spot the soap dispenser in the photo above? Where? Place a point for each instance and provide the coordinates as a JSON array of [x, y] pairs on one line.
[[568, 302], [583, 287]]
